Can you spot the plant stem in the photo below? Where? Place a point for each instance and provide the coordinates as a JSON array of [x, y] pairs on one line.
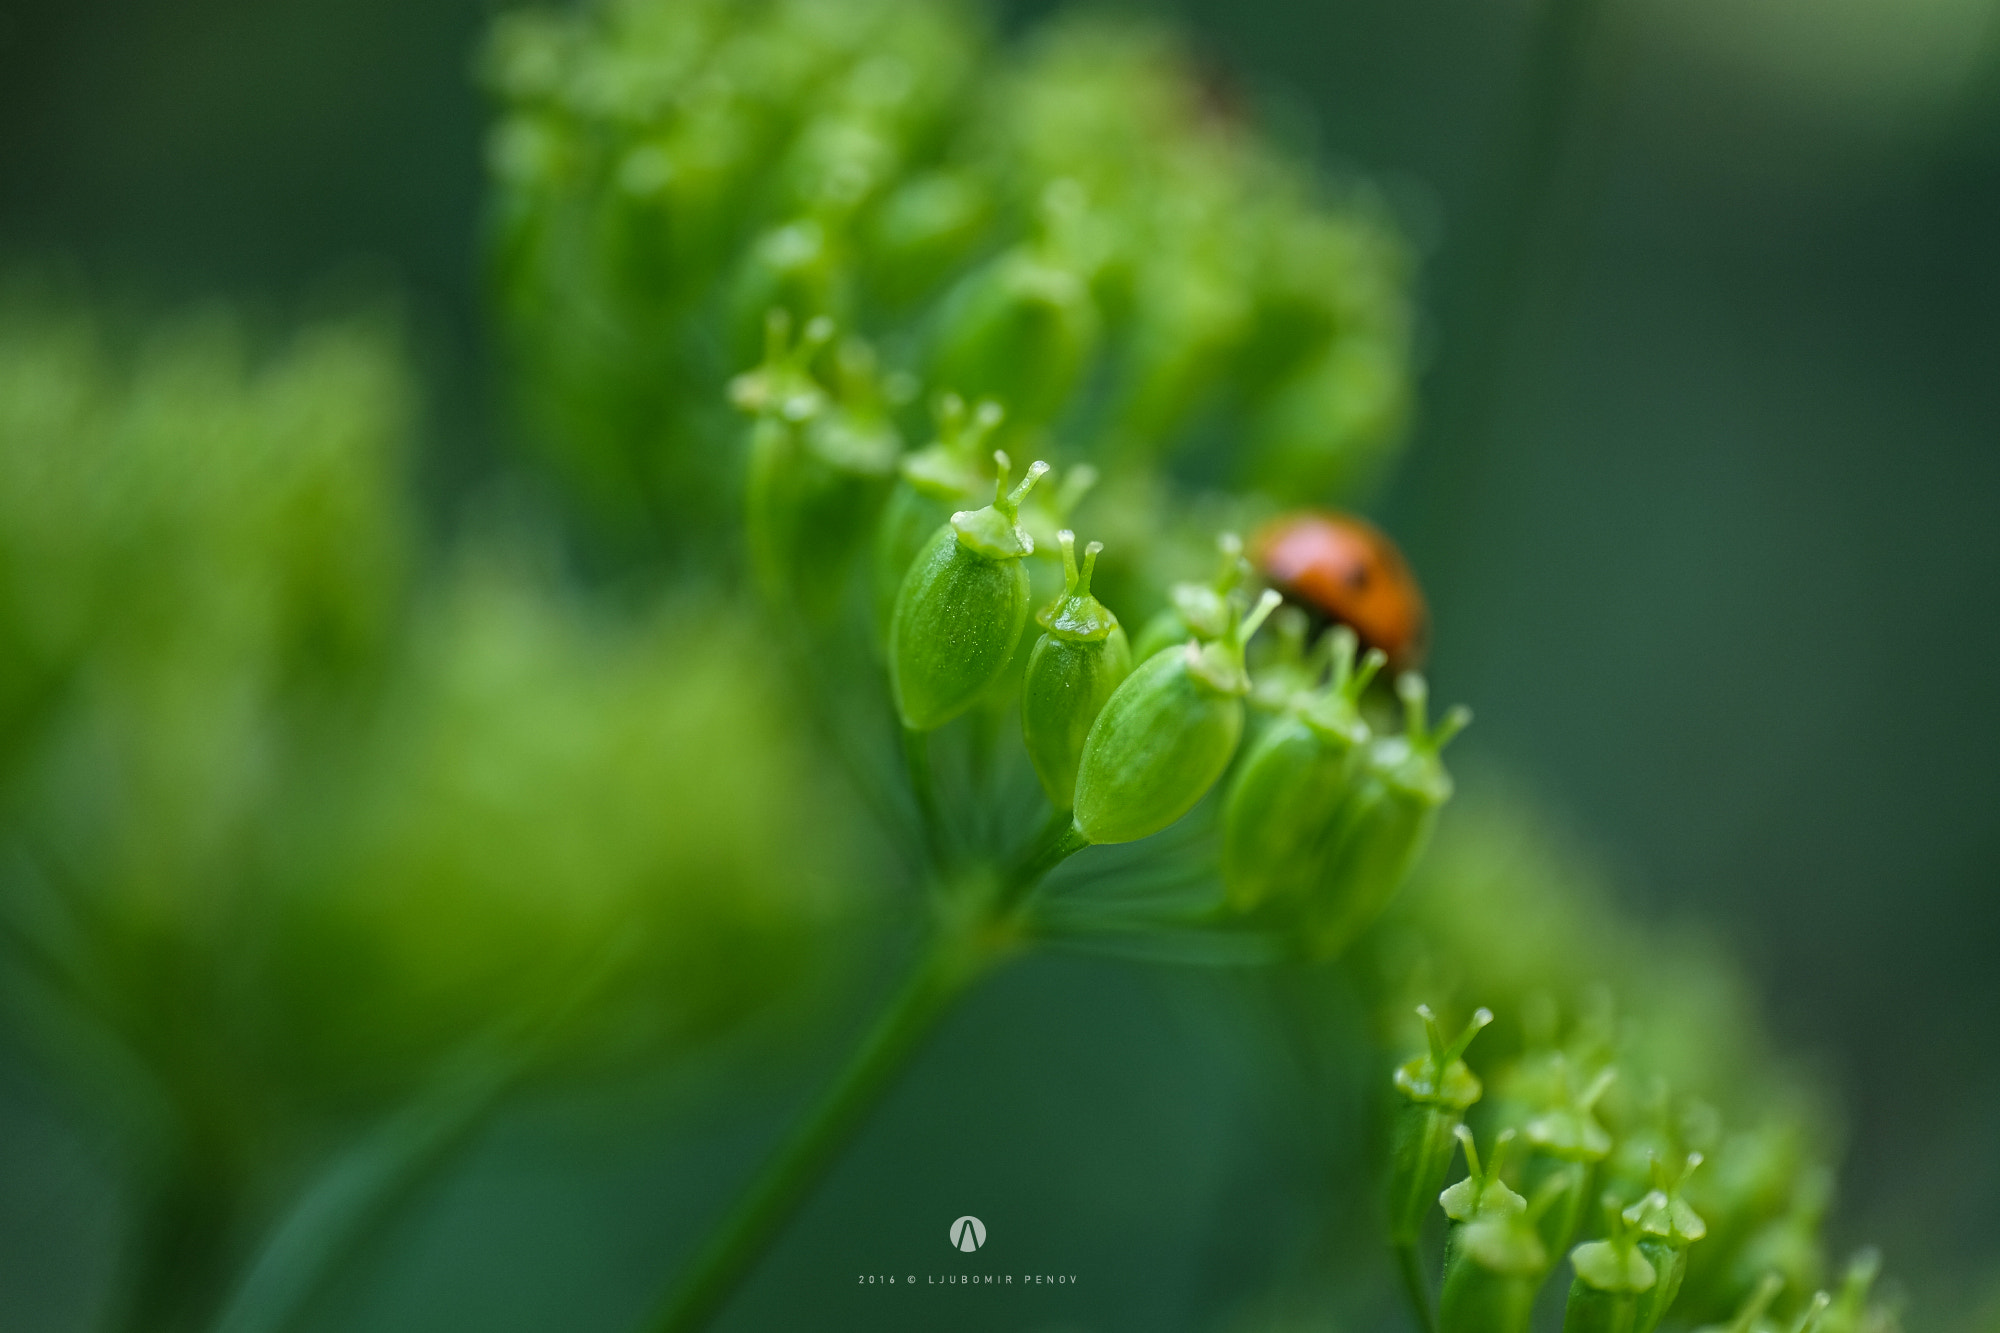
[[1059, 841], [943, 972], [923, 785], [1415, 1287], [180, 1260]]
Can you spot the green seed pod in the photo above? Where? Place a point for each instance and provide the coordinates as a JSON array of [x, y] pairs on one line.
[[792, 267], [1494, 1259], [1197, 610], [857, 437], [819, 464], [1667, 1226], [1852, 1311], [1751, 1317], [935, 482], [1789, 1244], [1568, 1144], [1165, 736], [1292, 786], [924, 228], [1080, 659], [961, 608], [1612, 1277], [785, 398], [1385, 825], [1024, 327], [1438, 1087], [1284, 671]]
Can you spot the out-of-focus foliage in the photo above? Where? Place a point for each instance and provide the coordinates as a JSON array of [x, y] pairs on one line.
[[565, 809], [294, 807], [207, 559], [1082, 228]]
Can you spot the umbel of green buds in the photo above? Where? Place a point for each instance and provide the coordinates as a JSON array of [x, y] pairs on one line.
[[1666, 1227], [1568, 1143], [1165, 736], [1385, 825], [1612, 1277], [1203, 611], [1437, 1087], [962, 607], [1286, 801], [1080, 659], [1494, 1258], [933, 483]]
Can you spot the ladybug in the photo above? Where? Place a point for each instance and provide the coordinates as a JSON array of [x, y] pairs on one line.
[[1339, 567]]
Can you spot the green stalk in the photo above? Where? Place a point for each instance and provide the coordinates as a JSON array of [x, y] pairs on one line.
[[180, 1264], [942, 973], [1058, 841], [923, 786], [1415, 1287]]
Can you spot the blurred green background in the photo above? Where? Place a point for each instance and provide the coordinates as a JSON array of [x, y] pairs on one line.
[[1704, 496]]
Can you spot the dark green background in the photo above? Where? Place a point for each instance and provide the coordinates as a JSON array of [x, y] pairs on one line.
[[1716, 560]]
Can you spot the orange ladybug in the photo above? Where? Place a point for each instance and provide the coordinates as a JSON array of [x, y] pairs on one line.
[[1339, 567]]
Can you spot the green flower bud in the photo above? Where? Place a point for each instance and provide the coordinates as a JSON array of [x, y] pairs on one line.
[[961, 608], [1289, 791], [1198, 610], [1667, 1226], [1165, 736], [1568, 1144], [1612, 1276], [1076, 664], [1494, 1259], [1385, 825], [935, 482], [1438, 1087]]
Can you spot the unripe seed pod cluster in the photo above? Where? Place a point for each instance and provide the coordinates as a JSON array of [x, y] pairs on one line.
[[1641, 1257], [1324, 818], [1324, 815]]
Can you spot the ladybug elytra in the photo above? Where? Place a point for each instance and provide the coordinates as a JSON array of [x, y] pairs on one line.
[[1339, 567]]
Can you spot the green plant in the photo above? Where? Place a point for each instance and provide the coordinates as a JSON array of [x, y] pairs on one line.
[[1155, 303], [332, 828]]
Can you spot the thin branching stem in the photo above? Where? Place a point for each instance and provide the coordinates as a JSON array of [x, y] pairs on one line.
[[942, 973], [923, 786], [1415, 1287]]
